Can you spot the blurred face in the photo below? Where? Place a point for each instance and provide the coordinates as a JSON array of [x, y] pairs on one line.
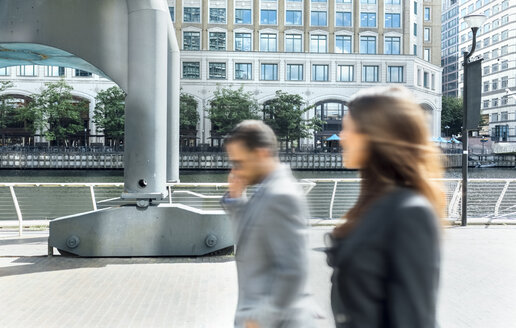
[[354, 144], [246, 165]]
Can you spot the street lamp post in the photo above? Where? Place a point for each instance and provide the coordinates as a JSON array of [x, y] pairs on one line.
[[474, 22], [447, 128]]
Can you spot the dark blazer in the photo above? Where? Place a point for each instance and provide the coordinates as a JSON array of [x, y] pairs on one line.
[[386, 271]]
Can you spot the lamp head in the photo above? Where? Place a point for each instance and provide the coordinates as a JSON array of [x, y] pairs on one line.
[[475, 21]]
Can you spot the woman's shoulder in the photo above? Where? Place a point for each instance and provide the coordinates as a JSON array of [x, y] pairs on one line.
[[412, 208]]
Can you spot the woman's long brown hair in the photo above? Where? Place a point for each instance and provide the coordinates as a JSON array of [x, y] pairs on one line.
[[400, 152]]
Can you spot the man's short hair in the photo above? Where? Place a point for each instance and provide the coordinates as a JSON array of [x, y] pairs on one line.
[[254, 134]]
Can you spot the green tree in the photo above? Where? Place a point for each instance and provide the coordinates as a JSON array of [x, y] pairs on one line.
[[109, 113], [6, 109], [284, 114], [230, 107], [188, 117], [451, 115], [55, 113]]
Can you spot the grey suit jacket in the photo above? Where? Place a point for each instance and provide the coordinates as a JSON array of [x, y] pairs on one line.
[[271, 253]]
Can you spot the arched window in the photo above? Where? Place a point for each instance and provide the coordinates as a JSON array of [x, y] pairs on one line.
[[331, 112]]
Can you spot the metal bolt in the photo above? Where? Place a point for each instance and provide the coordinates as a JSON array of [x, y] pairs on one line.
[[142, 203], [73, 241], [211, 240], [142, 183]]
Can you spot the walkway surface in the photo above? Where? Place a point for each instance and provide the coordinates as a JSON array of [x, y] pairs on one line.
[[478, 285]]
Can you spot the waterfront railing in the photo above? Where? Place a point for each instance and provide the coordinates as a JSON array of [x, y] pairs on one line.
[[33, 204]]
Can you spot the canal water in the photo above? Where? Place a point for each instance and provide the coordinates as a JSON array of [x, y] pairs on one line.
[[63, 176]]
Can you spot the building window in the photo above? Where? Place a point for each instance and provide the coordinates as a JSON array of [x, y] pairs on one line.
[[4, 71], [392, 21], [217, 41], [415, 7], [294, 17], [268, 42], [191, 70], [318, 18], [486, 70], [28, 70], [295, 72], [486, 103], [368, 45], [344, 1], [505, 20], [320, 73], [494, 68], [504, 115], [243, 71], [426, 80], [427, 14], [369, 73], [243, 16], [318, 43], [504, 50], [218, 15], [426, 55], [268, 17], [392, 45], [343, 44], [345, 73], [505, 82], [192, 15], [505, 34], [426, 34], [495, 84], [392, 2], [395, 74], [343, 18], [367, 19], [415, 29], [172, 13], [505, 64], [415, 50], [217, 71], [494, 117], [505, 101], [81, 73], [269, 72], [54, 71], [495, 102], [293, 43], [319, 1], [486, 86], [191, 41], [242, 41], [370, 2]]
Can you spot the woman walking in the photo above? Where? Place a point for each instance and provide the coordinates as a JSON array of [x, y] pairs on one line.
[[386, 254]]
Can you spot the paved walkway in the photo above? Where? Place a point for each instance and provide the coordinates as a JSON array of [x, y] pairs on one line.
[[478, 285]]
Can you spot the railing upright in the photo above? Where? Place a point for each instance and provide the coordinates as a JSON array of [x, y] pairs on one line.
[[18, 211]]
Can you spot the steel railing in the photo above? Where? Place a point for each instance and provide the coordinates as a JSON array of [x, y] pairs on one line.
[[327, 198]]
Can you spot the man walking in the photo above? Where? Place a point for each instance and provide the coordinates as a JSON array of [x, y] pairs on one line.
[[270, 232]]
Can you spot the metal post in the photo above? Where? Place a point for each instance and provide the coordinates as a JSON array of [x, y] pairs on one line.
[[465, 156], [464, 215], [18, 211], [173, 102]]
